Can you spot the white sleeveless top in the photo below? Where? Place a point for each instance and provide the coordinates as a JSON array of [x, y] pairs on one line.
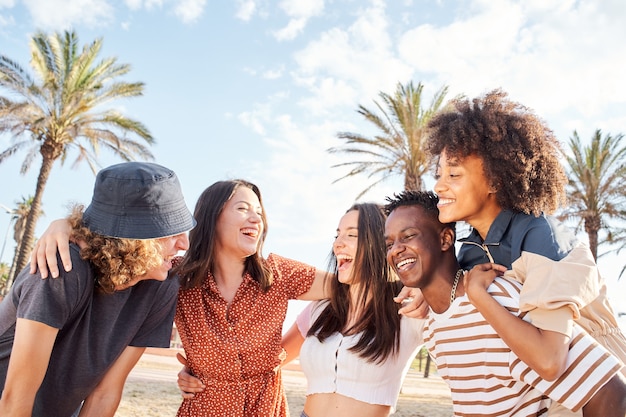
[[330, 367]]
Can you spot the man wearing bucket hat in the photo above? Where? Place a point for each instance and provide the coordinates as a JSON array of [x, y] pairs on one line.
[[72, 341]]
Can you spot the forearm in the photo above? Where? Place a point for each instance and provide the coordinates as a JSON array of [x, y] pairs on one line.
[[544, 351], [101, 404], [291, 343], [16, 405], [106, 397], [29, 360]]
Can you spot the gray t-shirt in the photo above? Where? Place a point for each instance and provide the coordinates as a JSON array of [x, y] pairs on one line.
[[94, 328]]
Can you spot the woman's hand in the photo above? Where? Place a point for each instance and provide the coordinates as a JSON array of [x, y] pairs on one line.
[[44, 255], [413, 303], [479, 278], [187, 383]]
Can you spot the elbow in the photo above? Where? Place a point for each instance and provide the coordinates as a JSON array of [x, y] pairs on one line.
[[552, 369]]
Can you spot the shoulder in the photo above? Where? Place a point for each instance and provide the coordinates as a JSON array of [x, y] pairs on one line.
[[544, 235], [285, 266], [167, 287]]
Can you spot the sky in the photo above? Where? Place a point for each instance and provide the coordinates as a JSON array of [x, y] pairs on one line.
[[259, 89]]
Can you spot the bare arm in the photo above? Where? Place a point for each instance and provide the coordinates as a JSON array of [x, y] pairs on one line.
[[44, 255], [543, 350], [27, 367], [105, 398], [292, 342], [187, 383]]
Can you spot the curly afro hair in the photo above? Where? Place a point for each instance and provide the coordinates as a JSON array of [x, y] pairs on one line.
[[520, 153]]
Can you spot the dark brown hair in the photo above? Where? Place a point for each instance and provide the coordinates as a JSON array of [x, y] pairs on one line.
[[379, 320], [520, 154], [200, 257]]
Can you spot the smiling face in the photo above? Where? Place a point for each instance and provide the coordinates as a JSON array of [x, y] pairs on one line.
[[345, 245], [240, 224], [170, 247], [465, 194], [413, 243]]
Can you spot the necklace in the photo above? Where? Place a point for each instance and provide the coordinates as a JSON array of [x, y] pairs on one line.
[[456, 282]]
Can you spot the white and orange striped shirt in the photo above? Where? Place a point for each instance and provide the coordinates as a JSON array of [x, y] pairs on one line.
[[486, 378]]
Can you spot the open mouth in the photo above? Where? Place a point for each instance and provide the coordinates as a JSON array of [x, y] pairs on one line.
[[344, 262], [445, 201], [405, 263], [251, 232]]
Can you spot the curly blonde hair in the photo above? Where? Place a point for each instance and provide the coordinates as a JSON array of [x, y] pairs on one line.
[[520, 154], [117, 261]]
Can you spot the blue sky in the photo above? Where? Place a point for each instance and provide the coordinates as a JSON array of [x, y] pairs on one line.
[[259, 89]]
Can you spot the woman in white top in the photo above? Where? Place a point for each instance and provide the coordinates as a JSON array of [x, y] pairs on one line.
[[356, 348]]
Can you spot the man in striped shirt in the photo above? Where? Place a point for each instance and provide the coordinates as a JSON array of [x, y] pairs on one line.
[[485, 376]]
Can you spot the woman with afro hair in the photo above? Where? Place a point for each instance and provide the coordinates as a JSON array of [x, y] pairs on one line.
[[498, 170]]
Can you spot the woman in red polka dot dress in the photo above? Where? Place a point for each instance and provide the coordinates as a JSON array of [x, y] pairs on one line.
[[232, 304]]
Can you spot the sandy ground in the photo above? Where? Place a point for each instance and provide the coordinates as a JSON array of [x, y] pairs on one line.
[[151, 391]]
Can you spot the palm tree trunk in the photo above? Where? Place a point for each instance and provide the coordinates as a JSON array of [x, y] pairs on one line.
[[592, 225], [12, 274], [28, 240]]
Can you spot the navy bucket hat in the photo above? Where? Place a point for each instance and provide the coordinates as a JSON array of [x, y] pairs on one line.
[[138, 200]]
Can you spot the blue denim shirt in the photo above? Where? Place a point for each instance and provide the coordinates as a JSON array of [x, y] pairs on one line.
[[514, 232]]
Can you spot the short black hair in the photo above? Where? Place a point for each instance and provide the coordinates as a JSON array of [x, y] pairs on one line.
[[427, 200]]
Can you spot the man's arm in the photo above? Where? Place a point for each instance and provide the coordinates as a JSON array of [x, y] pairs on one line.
[[30, 356], [105, 398]]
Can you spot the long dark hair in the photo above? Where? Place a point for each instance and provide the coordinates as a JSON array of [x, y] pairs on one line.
[[199, 259], [379, 321]]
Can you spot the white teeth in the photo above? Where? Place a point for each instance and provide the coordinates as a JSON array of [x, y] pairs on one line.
[[445, 201], [250, 232], [344, 257], [404, 262]]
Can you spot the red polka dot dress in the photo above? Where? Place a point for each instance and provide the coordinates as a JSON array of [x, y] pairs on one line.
[[235, 350]]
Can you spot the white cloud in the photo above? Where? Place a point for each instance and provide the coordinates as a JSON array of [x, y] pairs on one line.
[[359, 60], [6, 21], [134, 4], [273, 74], [61, 14], [256, 119], [551, 56], [144, 4], [246, 9], [302, 8], [6, 4], [291, 31], [299, 11], [189, 10]]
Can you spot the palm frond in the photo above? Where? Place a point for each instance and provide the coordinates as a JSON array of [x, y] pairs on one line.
[[398, 148]]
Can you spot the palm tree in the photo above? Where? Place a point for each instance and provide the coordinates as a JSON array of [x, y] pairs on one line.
[[20, 215], [399, 148], [4, 276], [596, 191], [63, 108]]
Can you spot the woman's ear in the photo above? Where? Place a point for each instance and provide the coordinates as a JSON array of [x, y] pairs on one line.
[[448, 237]]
